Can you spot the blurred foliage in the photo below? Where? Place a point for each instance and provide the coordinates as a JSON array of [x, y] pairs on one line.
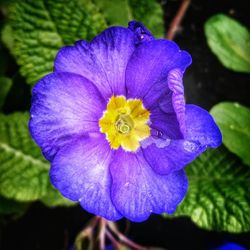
[[5, 85], [230, 42], [218, 196], [121, 12], [149, 13], [234, 122], [9, 207], [54, 199]]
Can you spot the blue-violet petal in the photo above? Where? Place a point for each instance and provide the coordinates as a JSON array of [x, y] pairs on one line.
[[137, 191], [81, 172], [64, 106]]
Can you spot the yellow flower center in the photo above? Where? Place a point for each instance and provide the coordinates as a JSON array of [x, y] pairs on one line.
[[125, 123]]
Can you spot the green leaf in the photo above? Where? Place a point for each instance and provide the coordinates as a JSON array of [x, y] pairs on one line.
[[11, 207], [53, 199], [230, 42], [120, 12], [7, 37], [115, 12], [37, 29], [5, 85], [234, 122], [24, 173], [23, 170], [150, 13], [218, 197]]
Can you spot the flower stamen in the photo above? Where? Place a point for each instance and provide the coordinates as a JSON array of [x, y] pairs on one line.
[[125, 123]]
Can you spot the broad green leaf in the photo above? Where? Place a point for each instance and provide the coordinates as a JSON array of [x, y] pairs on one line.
[[37, 29], [218, 196], [120, 12], [23, 170], [5, 85], [53, 199], [230, 42], [234, 122], [11, 207]]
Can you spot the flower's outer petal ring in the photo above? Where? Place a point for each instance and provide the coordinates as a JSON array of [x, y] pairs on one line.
[[64, 105], [103, 61], [202, 127], [148, 69], [201, 132], [137, 191], [80, 171]]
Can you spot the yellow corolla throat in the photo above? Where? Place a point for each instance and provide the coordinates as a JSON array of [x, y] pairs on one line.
[[125, 123]]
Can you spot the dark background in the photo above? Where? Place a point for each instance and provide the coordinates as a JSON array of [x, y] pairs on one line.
[[207, 82]]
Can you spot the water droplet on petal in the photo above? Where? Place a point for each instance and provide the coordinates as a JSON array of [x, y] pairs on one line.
[[190, 146]]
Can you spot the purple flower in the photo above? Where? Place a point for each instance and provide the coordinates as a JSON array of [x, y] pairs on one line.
[[113, 121], [230, 246]]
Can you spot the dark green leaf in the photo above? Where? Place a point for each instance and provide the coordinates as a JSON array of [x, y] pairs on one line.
[[234, 122], [230, 42], [5, 85], [53, 199], [37, 29], [8, 206], [218, 197]]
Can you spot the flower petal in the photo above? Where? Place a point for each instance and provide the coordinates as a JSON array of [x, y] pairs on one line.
[[169, 156], [137, 191], [80, 59], [80, 171], [64, 105], [166, 156], [165, 125], [103, 61], [148, 69], [168, 113], [142, 33], [201, 127]]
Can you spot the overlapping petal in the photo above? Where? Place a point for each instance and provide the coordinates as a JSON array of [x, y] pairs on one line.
[[168, 112], [103, 60], [141, 32], [172, 155], [137, 191], [148, 68], [202, 127], [64, 106], [81, 172], [168, 156]]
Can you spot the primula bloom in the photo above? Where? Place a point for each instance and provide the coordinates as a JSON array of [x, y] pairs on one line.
[[113, 121]]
